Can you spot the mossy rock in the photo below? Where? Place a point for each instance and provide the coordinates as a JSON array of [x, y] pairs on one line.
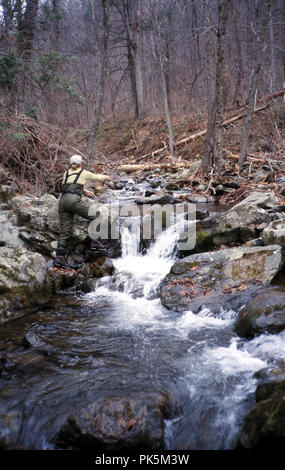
[[219, 276], [263, 313], [24, 283], [264, 426], [116, 423]]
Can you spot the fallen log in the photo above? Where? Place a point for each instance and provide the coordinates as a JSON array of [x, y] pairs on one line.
[[152, 166], [174, 165], [227, 122], [190, 138], [274, 95], [250, 157]]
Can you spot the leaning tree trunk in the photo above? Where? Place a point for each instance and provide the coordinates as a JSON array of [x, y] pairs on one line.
[[166, 100], [97, 112], [250, 109], [138, 62], [7, 26], [132, 72], [132, 21], [26, 29], [213, 143], [130, 12], [250, 102]]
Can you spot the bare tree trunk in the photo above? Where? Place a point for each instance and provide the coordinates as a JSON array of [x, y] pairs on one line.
[[169, 22], [8, 17], [248, 117], [204, 12], [131, 53], [25, 40], [160, 57], [56, 22], [53, 111], [11, 47], [131, 17], [280, 56], [198, 63], [101, 82], [213, 143], [260, 34], [272, 53], [239, 65], [138, 63], [26, 29], [282, 35], [132, 72]]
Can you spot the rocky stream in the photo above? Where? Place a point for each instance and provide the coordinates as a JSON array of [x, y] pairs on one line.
[[152, 347]]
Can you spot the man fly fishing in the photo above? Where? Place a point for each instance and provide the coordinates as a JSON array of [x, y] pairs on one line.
[[71, 204]]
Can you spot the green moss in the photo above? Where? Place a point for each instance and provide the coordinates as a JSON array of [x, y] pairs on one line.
[[194, 264], [10, 273], [256, 312], [253, 270], [32, 296], [202, 238], [226, 238], [21, 291]]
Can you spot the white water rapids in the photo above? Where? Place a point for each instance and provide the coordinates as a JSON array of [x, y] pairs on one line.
[[216, 367]]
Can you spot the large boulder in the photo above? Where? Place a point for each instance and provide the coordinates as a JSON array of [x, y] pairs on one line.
[[38, 221], [264, 426], [209, 235], [265, 312], [115, 423], [218, 278], [241, 223], [24, 284], [251, 211]]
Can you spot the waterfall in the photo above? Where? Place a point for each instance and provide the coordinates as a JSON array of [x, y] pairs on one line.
[[133, 288], [146, 271], [130, 238]]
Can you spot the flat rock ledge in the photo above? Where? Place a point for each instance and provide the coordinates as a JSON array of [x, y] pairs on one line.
[[225, 278]]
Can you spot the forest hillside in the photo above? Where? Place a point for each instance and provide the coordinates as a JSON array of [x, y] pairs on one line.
[[125, 82]]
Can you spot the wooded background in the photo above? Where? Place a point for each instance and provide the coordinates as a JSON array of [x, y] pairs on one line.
[[75, 63]]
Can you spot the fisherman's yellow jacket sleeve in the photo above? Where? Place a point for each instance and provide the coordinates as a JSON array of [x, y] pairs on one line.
[[84, 177]]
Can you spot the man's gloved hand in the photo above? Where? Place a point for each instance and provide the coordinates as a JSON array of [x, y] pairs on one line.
[[88, 193]]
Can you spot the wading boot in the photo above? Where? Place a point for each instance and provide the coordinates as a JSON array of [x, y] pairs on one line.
[[61, 262], [96, 244], [97, 248]]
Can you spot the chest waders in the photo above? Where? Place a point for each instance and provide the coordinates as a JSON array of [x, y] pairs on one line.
[[72, 188]]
